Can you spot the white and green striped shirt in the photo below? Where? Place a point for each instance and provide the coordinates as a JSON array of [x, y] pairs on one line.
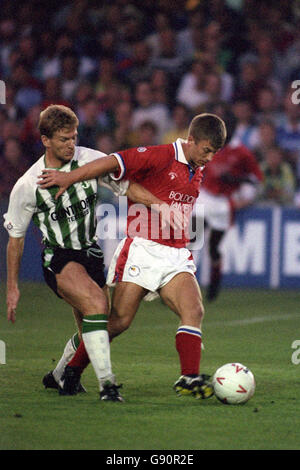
[[69, 221]]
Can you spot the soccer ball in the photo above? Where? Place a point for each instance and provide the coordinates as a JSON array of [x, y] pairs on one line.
[[233, 384]]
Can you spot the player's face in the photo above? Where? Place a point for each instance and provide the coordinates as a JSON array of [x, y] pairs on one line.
[[200, 153], [61, 146]]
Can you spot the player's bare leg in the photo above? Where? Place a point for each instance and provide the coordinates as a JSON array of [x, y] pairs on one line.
[[125, 302], [182, 294], [79, 290]]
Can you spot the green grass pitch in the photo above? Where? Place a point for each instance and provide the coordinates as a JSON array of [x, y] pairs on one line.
[[254, 327]]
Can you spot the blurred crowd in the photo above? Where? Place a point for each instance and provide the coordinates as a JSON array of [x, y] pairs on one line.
[[135, 72]]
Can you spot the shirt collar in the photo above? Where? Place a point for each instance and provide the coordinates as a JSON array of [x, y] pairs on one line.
[[179, 154]]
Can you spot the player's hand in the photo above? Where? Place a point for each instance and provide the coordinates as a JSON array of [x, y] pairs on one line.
[[12, 299], [50, 178]]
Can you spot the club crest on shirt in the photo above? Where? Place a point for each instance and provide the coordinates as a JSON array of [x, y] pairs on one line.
[[141, 149], [134, 271]]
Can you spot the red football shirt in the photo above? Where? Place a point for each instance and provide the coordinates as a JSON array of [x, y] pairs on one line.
[[165, 172], [229, 168]]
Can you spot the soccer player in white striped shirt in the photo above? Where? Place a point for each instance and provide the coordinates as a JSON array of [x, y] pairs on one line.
[[72, 261]]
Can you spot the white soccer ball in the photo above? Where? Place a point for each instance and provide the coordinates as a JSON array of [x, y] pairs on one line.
[[233, 383]]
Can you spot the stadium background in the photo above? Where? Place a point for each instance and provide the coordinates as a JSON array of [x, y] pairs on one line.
[[129, 69]]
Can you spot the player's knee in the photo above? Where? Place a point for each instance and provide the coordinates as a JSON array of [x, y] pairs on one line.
[[96, 302], [124, 323], [90, 301], [119, 322], [116, 328]]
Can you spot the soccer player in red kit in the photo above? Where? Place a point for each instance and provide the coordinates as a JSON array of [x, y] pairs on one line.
[[230, 183], [148, 260]]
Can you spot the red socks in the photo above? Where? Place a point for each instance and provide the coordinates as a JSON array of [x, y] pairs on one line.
[[80, 358], [188, 345]]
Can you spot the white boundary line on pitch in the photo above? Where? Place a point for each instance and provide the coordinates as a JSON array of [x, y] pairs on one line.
[[249, 321]]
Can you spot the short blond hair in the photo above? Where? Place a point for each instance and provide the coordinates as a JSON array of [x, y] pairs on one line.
[[56, 117]]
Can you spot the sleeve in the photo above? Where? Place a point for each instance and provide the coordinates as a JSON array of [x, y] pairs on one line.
[[87, 155], [142, 161], [20, 209]]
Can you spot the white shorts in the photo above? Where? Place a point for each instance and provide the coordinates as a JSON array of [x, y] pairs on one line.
[[217, 210], [149, 264]]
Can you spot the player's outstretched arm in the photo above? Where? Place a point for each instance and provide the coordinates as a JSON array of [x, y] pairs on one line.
[[89, 171], [15, 248]]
